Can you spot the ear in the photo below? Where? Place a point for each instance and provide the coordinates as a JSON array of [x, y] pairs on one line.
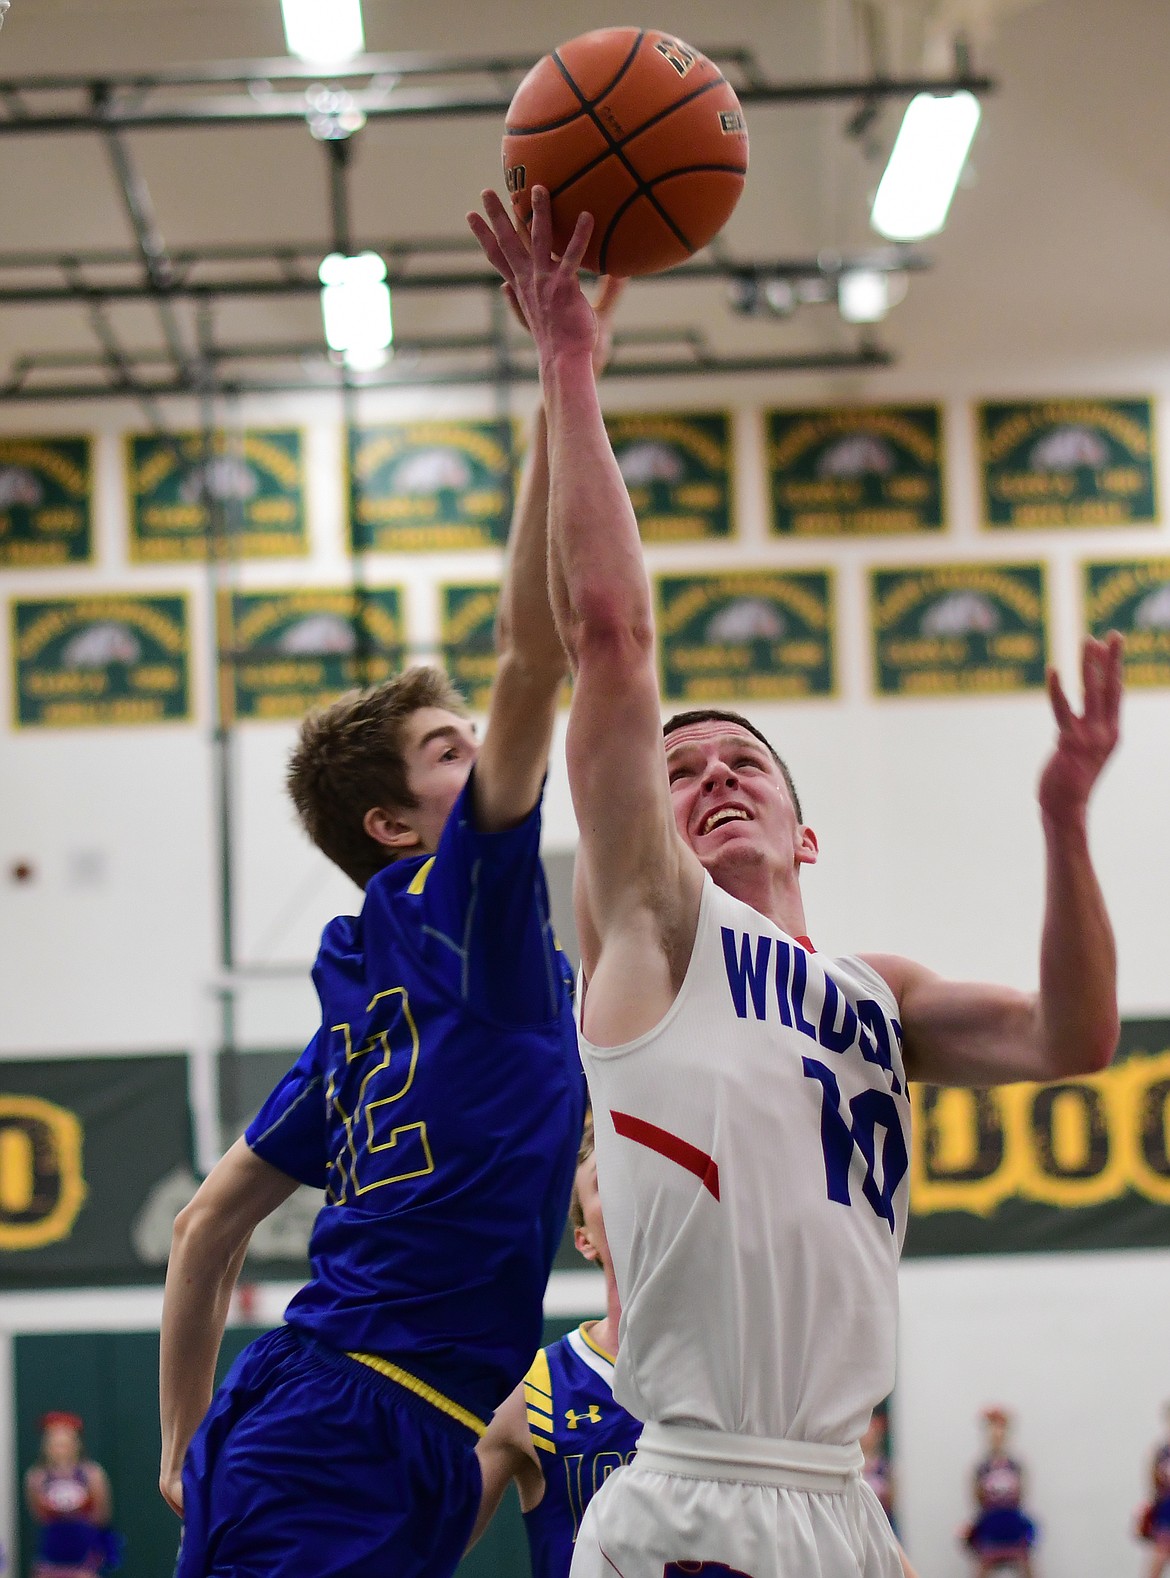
[[386, 826], [584, 1244], [807, 848]]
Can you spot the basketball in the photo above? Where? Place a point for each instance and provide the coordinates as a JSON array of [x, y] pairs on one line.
[[637, 129]]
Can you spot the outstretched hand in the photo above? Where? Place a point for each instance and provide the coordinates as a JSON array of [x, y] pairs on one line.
[[1084, 743], [544, 289]]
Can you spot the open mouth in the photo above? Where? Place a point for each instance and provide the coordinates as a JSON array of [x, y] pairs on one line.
[[725, 813]]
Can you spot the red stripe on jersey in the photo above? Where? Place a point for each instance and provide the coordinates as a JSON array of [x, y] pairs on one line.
[[669, 1145], [806, 943]]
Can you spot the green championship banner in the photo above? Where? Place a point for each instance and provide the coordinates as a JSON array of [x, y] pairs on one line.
[[677, 469], [753, 634], [1081, 1164], [951, 629], [431, 485], [250, 489], [99, 661], [467, 624], [46, 501], [1133, 596], [84, 1142], [855, 471], [1067, 463], [282, 653]]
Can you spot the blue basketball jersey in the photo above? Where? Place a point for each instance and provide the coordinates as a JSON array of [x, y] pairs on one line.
[[581, 1436], [440, 1108]]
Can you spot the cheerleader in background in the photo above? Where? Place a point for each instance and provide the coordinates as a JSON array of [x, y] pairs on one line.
[[1002, 1534], [68, 1496]]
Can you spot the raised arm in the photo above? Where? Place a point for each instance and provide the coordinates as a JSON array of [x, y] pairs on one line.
[[531, 663], [969, 1034], [643, 884], [210, 1240]]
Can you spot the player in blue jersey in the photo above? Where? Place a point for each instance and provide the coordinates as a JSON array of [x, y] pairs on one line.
[[560, 1434], [439, 1106]]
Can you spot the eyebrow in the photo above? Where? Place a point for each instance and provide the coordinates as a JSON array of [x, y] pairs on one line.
[[445, 731]]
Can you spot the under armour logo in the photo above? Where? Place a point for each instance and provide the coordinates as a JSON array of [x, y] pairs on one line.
[[591, 1416]]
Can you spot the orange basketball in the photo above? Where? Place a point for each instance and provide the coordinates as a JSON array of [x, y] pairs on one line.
[[637, 129]]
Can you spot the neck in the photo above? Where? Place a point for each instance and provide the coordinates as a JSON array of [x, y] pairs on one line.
[[605, 1331], [774, 894]]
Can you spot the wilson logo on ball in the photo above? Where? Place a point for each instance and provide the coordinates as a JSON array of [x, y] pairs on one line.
[[678, 55], [514, 179]]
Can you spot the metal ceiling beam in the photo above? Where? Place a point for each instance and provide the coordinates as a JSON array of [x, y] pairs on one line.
[[294, 272], [399, 376], [374, 87]]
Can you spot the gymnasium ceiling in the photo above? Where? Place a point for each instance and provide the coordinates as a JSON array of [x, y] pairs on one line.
[[1057, 253]]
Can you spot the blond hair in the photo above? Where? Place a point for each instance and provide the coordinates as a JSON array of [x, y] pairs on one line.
[[576, 1214]]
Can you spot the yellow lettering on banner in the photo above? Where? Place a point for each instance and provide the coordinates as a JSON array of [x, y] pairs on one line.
[[42, 1188], [17, 1171], [1080, 1142]]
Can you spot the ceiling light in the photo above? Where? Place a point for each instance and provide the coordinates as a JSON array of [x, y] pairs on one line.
[[355, 307], [927, 159], [323, 32], [863, 295]]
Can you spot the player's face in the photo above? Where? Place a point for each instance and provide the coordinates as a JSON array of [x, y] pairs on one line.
[[439, 748], [730, 800], [590, 1239]]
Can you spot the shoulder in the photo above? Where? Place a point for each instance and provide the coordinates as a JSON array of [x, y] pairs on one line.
[[900, 974]]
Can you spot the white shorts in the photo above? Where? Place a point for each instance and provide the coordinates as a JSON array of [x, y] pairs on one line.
[[760, 1508]]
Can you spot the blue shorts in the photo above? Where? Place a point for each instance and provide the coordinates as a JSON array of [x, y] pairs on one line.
[[1002, 1528], [311, 1465]]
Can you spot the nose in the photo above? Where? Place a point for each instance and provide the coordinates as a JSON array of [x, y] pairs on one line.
[[718, 773]]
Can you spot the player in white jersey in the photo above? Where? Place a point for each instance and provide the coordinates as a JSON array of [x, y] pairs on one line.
[[749, 1096]]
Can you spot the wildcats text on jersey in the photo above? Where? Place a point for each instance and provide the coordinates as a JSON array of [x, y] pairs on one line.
[[773, 976], [787, 991]]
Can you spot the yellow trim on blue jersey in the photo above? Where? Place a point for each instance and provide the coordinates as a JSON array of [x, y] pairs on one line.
[[538, 1397], [419, 881], [539, 1408], [411, 1383], [584, 1330], [539, 1379]]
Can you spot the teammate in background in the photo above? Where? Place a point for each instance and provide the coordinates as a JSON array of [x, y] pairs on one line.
[[750, 1096], [439, 1106], [1154, 1522], [560, 1434], [1002, 1534], [68, 1497]]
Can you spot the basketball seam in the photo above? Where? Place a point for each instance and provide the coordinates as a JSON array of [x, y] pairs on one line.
[[616, 148], [534, 131]]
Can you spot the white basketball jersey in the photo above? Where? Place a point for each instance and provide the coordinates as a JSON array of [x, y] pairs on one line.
[[752, 1155]]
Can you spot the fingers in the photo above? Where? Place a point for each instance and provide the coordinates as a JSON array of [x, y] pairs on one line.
[[610, 293], [578, 243], [1061, 710], [492, 250], [1114, 679], [541, 227], [505, 249]]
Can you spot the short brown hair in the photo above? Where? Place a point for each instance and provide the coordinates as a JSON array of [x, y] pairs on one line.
[[716, 714], [576, 1214], [349, 758]]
